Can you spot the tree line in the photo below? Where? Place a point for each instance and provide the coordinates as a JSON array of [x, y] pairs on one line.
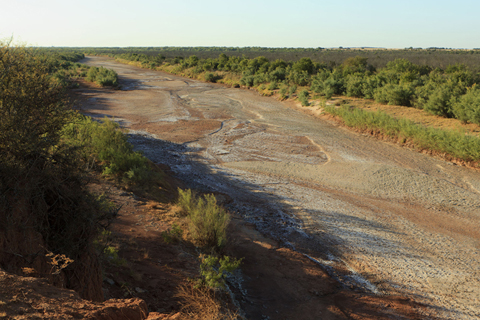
[[434, 57], [451, 91]]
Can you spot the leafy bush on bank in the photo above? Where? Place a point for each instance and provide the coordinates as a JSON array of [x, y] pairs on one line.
[[206, 219], [303, 97], [104, 144]]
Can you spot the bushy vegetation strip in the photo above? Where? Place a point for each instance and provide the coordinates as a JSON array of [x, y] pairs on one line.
[[457, 144], [378, 57], [45, 150], [447, 90], [41, 185], [62, 65]]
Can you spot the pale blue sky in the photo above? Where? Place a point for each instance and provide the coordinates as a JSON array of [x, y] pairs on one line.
[[300, 23]]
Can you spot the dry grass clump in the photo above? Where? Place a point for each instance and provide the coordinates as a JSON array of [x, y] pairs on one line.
[[202, 303]]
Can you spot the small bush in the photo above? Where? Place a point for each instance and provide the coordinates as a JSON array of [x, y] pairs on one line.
[[303, 97], [273, 86], [439, 101], [111, 254], [283, 92], [258, 80], [354, 86], [328, 92], [247, 80], [301, 78], [102, 76], [206, 219], [104, 144], [467, 107], [210, 77], [107, 252], [214, 270], [394, 94], [186, 200], [292, 89]]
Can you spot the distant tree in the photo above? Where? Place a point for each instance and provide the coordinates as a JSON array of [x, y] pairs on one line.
[[304, 64], [467, 107]]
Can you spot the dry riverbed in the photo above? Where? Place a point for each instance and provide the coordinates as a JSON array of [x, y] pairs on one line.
[[378, 218]]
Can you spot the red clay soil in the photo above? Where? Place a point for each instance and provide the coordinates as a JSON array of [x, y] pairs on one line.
[[34, 298]]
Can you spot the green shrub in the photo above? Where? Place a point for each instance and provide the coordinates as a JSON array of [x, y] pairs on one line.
[[32, 108], [303, 97], [41, 186], [333, 85], [438, 102], [247, 80], [467, 107], [328, 92], [354, 65], [283, 92], [107, 252], [186, 200], [210, 77], [206, 219], [214, 270], [354, 86], [259, 79], [92, 74], [301, 78], [111, 254], [102, 76], [394, 94], [273, 86], [104, 144], [278, 74], [369, 86], [292, 89]]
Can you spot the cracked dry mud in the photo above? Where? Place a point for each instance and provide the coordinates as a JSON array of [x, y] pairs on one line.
[[378, 217]]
